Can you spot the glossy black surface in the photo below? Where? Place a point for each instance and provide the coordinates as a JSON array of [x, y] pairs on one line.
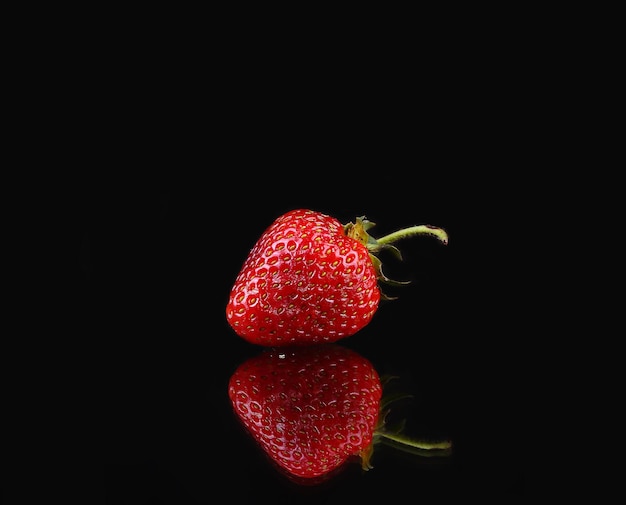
[[155, 263]]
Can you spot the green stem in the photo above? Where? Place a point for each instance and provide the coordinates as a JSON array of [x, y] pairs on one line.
[[422, 229], [416, 443]]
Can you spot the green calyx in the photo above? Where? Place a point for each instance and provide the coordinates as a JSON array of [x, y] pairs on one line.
[[359, 231], [394, 436]]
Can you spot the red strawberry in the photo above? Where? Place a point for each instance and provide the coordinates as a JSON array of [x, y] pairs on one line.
[[310, 408], [310, 279], [313, 409]]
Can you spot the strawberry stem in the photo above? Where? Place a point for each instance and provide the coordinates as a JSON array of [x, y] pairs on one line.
[[422, 229], [417, 446], [402, 441], [394, 436], [359, 232]]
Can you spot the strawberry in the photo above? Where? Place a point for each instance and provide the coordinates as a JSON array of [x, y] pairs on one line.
[[310, 408], [314, 408], [310, 279]]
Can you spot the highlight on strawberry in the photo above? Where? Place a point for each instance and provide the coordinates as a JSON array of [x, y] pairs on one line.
[[315, 409], [311, 279]]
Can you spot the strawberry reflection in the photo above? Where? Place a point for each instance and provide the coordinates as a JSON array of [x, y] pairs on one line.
[[313, 409]]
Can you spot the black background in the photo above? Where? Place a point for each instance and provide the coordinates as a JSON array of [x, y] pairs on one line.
[[184, 171], [154, 266]]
